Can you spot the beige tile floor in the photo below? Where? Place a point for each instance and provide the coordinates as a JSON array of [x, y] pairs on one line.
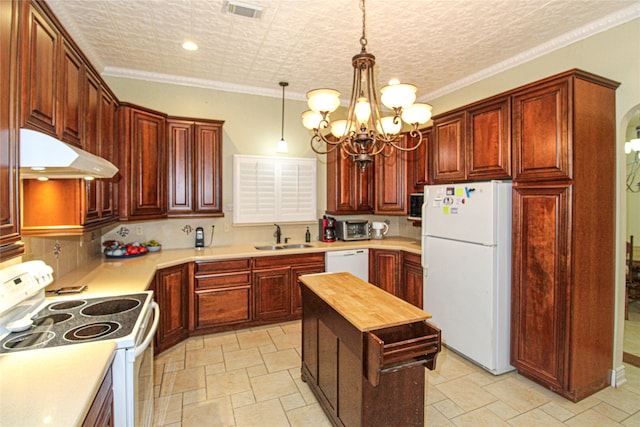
[[252, 378]]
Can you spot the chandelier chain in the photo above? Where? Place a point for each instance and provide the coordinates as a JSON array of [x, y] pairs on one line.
[[363, 39]]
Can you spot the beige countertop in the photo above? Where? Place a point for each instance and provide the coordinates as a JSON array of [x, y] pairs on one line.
[[103, 276], [52, 387], [364, 305]]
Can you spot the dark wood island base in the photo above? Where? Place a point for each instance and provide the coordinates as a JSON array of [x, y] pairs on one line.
[[364, 352]]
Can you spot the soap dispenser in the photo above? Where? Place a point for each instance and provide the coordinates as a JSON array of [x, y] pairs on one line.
[[307, 236]]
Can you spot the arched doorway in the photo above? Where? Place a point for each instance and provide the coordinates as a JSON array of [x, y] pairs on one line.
[[631, 345]]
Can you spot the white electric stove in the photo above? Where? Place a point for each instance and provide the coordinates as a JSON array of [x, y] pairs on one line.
[[30, 321]]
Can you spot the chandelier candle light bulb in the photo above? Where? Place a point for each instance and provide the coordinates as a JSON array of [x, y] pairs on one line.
[[365, 133]]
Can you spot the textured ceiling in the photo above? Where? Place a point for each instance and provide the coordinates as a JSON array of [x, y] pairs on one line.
[[438, 45]]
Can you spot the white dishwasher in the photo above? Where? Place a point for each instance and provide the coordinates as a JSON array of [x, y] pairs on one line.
[[354, 261]]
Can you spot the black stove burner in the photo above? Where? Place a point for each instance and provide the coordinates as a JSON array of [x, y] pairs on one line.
[[110, 307], [52, 319], [91, 331], [66, 305], [28, 340]]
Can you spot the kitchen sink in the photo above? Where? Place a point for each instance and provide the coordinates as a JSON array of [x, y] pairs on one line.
[[287, 246], [296, 246]]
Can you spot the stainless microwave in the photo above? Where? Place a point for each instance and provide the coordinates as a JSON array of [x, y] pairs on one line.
[[415, 206]]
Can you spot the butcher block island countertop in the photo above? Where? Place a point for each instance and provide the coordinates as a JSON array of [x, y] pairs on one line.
[[365, 306], [364, 352]]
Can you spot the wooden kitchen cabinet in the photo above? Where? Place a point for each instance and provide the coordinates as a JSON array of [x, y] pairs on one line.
[[88, 205], [541, 116], [195, 167], [71, 96], [418, 162], [10, 238], [172, 296], [489, 140], [365, 367], [272, 293], [143, 163], [222, 294], [448, 151], [411, 289], [316, 266], [390, 183], [91, 143], [349, 190], [384, 269], [473, 143], [101, 411], [40, 84], [108, 188], [563, 274], [275, 280]]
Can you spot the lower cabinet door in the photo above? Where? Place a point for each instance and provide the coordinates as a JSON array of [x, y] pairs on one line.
[[173, 298], [223, 306], [273, 293]]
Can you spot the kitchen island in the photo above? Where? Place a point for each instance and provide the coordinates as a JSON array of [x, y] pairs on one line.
[[364, 351]]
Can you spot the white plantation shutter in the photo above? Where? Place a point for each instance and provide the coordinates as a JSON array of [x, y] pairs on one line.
[[270, 189]]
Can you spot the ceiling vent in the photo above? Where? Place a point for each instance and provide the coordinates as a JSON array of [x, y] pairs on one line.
[[242, 9]]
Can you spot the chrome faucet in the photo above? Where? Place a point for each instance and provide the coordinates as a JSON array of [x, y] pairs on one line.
[[278, 233]]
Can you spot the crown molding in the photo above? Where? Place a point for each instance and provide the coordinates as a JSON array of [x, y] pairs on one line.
[[581, 33], [200, 83]]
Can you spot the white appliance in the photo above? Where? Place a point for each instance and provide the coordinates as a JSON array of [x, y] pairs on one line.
[[355, 261], [29, 321], [466, 255]]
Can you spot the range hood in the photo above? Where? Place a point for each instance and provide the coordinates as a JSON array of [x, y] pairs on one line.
[[44, 156]]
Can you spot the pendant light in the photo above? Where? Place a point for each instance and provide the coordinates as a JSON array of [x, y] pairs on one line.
[[282, 144]]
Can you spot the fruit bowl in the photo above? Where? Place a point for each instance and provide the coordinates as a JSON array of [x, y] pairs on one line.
[[152, 245], [115, 249]]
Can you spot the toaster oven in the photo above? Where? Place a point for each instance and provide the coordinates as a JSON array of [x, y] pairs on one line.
[[353, 229]]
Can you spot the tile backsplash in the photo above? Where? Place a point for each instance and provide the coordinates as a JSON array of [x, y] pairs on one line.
[[63, 253], [66, 253]]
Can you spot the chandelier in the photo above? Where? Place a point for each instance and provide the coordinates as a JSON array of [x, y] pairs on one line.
[[365, 133]]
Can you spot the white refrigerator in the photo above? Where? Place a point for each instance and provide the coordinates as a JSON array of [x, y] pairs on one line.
[[466, 256]]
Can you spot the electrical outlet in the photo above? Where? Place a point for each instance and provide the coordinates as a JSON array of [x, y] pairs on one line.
[[139, 230]]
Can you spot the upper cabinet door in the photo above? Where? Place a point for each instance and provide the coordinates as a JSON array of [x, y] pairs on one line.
[[71, 90], [489, 140], [541, 133], [180, 136], [349, 190], [448, 152], [144, 162], [391, 182], [10, 244], [418, 162], [40, 73], [208, 168]]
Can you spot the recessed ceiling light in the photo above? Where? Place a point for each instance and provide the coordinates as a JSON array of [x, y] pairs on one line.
[[189, 45]]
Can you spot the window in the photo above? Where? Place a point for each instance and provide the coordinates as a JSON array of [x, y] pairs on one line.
[[273, 189]]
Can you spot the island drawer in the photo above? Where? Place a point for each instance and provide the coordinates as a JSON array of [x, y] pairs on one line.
[[394, 348]]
